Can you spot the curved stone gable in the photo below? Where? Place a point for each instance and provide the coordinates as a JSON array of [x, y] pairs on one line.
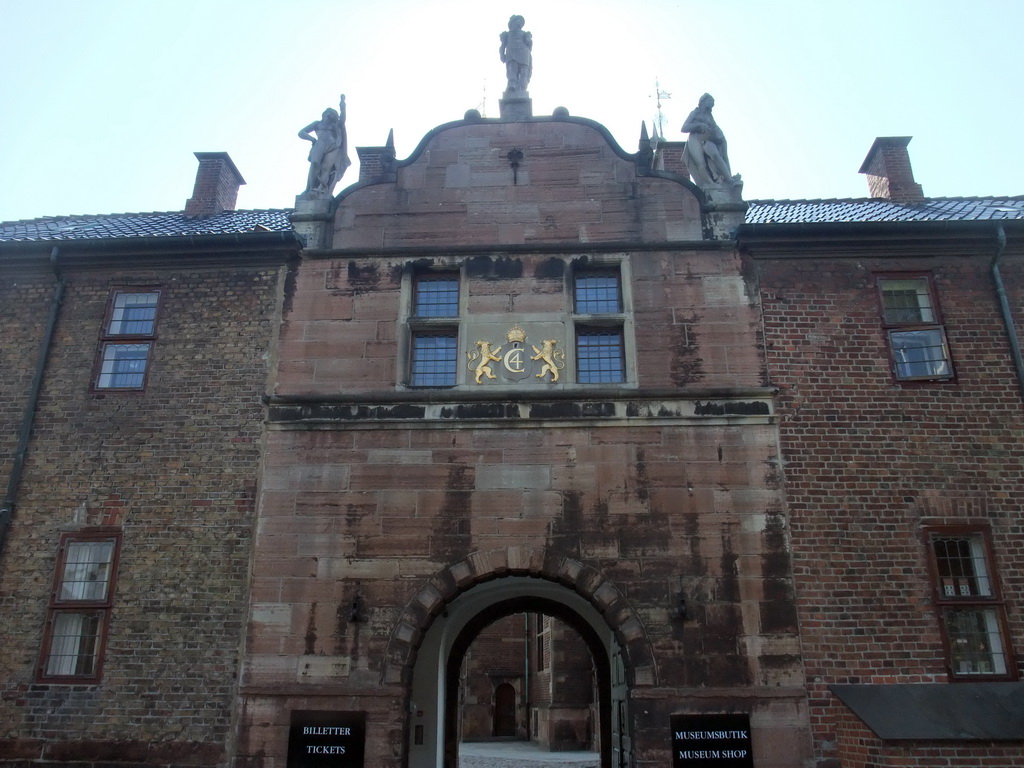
[[573, 184]]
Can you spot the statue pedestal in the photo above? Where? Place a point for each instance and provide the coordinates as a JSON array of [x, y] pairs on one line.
[[516, 106], [312, 220], [724, 194], [724, 209]]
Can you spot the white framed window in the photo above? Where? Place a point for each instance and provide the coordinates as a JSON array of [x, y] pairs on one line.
[[917, 339]]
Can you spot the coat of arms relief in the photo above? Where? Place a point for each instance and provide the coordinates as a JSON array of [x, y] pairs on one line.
[[511, 361]]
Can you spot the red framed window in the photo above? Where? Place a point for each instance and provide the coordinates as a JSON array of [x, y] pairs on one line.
[[127, 340], [80, 604], [970, 607], [913, 326]]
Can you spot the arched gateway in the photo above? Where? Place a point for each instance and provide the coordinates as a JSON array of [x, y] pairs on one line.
[[441, 621]]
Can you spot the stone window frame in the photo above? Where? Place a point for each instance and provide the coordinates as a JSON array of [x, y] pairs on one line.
[[591, 325], [113, 339], [420, 323], [978, 591], [64, 606], [896, 327]]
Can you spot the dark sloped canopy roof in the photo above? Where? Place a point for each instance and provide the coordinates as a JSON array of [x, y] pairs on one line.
[[932, 712]]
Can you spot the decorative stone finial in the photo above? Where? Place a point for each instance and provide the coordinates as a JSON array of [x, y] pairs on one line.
[[328, 157], [644, 158]]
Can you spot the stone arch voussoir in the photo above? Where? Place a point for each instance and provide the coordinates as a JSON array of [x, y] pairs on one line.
[[539, 562]]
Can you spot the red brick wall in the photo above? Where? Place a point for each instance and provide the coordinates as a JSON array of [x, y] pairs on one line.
[[860, 748], [175, 468], [24, 307], [869, 461]]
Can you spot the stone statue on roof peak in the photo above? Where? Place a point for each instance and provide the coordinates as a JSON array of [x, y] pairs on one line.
[[706, 152], [328, 157], [516, 53]]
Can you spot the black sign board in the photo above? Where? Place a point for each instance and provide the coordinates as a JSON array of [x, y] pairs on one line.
[[711, 741], [318, 739]]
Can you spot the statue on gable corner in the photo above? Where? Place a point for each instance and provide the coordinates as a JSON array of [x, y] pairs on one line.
[[707, 154], [515, 51], [328, 157]]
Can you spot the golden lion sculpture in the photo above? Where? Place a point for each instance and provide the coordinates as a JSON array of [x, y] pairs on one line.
[[553, 358], [483, 360]]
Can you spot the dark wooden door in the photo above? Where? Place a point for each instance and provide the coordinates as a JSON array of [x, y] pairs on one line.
[[505, 710]]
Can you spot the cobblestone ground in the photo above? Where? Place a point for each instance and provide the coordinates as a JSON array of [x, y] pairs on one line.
[[485, 761], [521, 755]]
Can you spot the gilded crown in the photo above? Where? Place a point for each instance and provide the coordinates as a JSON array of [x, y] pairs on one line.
[[516, 334]]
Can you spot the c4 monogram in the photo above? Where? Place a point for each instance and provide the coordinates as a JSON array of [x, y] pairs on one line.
[[514, 360]]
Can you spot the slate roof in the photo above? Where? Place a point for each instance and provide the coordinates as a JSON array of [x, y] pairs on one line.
[[175, 224], [876, 209], [121, 225]]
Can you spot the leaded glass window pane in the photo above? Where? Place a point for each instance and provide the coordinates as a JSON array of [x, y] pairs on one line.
[[434, 360], [974, 642], [436, 296], [123, 366], [598, 294], [961, 565], [599, 358], [134, 314], [86, 570], [907, 302], [74, 644]]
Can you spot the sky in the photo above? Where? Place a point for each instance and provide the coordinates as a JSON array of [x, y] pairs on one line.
[[104, 102]]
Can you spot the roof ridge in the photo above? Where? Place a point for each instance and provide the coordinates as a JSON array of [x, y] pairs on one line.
[[964, 198], [769, 200], [125, 214]]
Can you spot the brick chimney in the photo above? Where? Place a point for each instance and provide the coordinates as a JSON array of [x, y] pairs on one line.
[[887, 167], [671, 156], [375, 162], [217, 183]]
